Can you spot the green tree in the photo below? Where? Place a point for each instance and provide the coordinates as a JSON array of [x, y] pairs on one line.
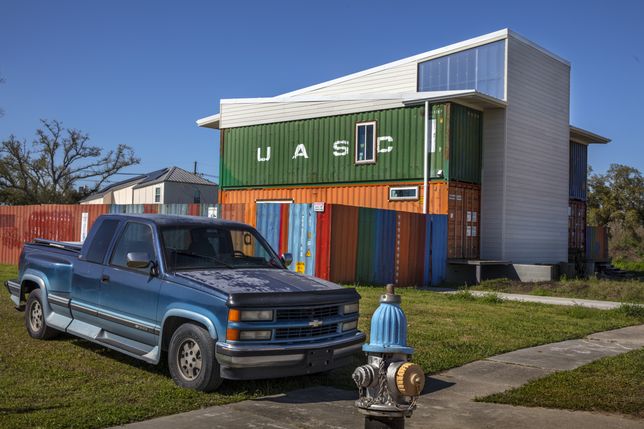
[[51, 168], [616, 200]]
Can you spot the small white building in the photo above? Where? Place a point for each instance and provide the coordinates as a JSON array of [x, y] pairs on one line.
[[171, 185]]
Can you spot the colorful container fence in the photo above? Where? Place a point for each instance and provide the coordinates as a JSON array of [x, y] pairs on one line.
[[68, 222], [21, 224], [372, 246], [597, 244]]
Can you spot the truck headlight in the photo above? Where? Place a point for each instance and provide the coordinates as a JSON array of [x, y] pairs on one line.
[[256, 315], [349, 326], [254, 335], [351, 308]]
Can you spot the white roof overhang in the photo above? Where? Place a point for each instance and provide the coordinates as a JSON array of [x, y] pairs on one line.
[[579, 135]]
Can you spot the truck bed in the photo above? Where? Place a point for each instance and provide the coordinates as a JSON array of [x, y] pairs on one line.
[[72, 246]]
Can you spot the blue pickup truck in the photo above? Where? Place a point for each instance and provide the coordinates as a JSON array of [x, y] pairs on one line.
[[210, 293]]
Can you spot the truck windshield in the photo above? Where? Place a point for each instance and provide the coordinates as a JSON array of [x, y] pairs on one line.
[[204, 247]]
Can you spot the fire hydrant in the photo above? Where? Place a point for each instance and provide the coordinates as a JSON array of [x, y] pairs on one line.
[[389, 383]]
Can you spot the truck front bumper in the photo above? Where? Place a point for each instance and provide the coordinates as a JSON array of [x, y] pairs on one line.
[[245, 362]]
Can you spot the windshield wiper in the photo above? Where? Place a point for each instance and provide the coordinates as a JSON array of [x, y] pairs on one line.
[[195, 255]]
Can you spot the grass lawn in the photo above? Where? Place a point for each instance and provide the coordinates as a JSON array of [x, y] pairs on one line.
[[606, 290], [70, 382], [613, 384]]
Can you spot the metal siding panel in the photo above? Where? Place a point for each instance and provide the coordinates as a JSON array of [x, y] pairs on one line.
[[464, 221], [240, 167], [597, 243], [302, 239], [269, 223], [323, 244], [21, 224], [577, 226], [438, 248], [344, 239], [410, 245], [373, 196], [367, 244], [465, 144], [535, 213], [439, 158], [386, 239]]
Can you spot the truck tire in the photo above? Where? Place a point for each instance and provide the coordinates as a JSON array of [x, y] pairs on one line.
[[191, 359], [35, 318]]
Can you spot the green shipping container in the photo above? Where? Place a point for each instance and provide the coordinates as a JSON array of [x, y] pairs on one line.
[[322, 150], [455, 149]]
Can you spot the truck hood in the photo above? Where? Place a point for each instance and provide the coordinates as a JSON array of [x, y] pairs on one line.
[[257, 280]]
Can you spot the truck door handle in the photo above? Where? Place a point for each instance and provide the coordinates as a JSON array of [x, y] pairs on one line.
[[105, 278]]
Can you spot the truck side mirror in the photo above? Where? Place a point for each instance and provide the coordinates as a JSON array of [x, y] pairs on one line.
[[138, 259], [287, 259]]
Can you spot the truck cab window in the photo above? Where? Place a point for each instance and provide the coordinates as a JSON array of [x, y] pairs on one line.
[[101, 241], [136, 237]]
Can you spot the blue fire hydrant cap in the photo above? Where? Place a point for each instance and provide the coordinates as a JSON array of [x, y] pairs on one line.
[[388, 326]]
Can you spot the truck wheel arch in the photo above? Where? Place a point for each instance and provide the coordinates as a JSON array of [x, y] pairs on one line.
[[177, 317], [31, 281]]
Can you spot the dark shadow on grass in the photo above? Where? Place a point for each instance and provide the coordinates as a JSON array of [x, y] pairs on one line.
[[29, 409], [339, 378]]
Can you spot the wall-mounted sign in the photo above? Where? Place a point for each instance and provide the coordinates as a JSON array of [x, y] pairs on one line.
[[318, 207]]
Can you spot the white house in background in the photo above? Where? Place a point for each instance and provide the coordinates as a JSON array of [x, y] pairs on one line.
[[171, 185]]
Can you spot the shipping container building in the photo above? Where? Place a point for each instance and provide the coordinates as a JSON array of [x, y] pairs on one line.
[[478, 130]]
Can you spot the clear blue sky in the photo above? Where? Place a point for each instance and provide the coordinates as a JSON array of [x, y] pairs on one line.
[[142, 72]]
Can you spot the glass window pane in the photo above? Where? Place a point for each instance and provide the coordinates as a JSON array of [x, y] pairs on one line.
[[361, 142], [102, 239], [136, 237], [369, 142], [481, 68]]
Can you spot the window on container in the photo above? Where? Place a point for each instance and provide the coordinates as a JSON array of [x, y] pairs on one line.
[[481, 68], [157, 195], [196, 198], [365, 142], [402, 193]]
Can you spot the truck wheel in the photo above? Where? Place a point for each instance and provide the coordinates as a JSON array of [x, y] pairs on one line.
[[35, 318], [191, 359]]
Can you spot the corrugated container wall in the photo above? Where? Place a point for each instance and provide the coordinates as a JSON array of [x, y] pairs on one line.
[[464, 219], [372, 196], [577, 226], [322, 150], [456, 146], [597, 243], [578, 170]]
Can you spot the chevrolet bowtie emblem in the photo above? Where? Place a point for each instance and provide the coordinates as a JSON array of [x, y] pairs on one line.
[[315, 323]]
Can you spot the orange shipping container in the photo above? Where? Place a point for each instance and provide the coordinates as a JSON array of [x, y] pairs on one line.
[[464, 220], [372, 196]]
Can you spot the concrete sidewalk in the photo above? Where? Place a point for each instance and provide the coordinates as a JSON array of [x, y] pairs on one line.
[[447, 401], [554, 300]]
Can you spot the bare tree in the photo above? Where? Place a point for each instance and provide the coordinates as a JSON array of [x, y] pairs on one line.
[[50, 169]]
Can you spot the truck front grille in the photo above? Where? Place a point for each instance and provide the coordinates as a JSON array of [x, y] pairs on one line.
[[307, 313], [305, 332]]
